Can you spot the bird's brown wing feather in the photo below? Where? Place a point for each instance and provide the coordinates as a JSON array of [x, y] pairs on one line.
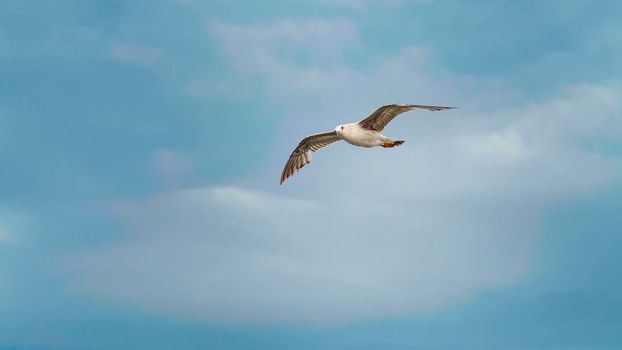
[[301, 156], [383, 115]]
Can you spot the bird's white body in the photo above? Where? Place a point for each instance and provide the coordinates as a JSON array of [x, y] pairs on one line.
[[356, 135]]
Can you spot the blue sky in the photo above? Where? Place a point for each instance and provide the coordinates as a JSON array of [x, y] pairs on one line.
[[141, 145]]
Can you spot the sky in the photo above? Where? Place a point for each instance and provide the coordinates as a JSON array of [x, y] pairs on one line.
[[141, 146]]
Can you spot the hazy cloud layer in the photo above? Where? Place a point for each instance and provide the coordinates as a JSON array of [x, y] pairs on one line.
[[360, 233], [303, 68], [366, 4], [172, 167], [368, 233], [4, 234], [136, 53], [259, 49], [4, 45]]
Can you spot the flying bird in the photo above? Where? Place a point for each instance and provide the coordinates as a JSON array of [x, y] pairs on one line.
[[366, 133]]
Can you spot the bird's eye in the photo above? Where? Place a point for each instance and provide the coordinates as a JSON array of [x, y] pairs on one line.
[[342, 128]]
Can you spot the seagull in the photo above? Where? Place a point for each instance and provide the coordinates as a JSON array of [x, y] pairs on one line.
[[366, 133]]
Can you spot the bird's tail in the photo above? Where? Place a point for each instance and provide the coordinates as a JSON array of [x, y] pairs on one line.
[[392, 143]]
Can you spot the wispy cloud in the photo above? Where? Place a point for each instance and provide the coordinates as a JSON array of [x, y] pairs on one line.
[[5, 234], [365, 4], [235, 255], [327, 84], [172, 166], [136, 53], [253, 48], [4, 43]]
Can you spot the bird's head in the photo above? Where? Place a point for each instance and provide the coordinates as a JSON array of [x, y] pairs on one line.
[[339, 129]]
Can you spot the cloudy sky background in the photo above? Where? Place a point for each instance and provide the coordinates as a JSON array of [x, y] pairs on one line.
[[141, 145]]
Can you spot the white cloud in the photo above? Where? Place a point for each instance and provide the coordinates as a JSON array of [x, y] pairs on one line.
[[183, 2], [302, 65], [136, 53], [261, 49], [5, 234], [4, 43], [228, 254], [172, 166], [11, 223], [361, 233], [366, 4]]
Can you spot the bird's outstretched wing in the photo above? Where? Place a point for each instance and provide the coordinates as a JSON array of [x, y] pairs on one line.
[[301, 156], [383, 115]]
